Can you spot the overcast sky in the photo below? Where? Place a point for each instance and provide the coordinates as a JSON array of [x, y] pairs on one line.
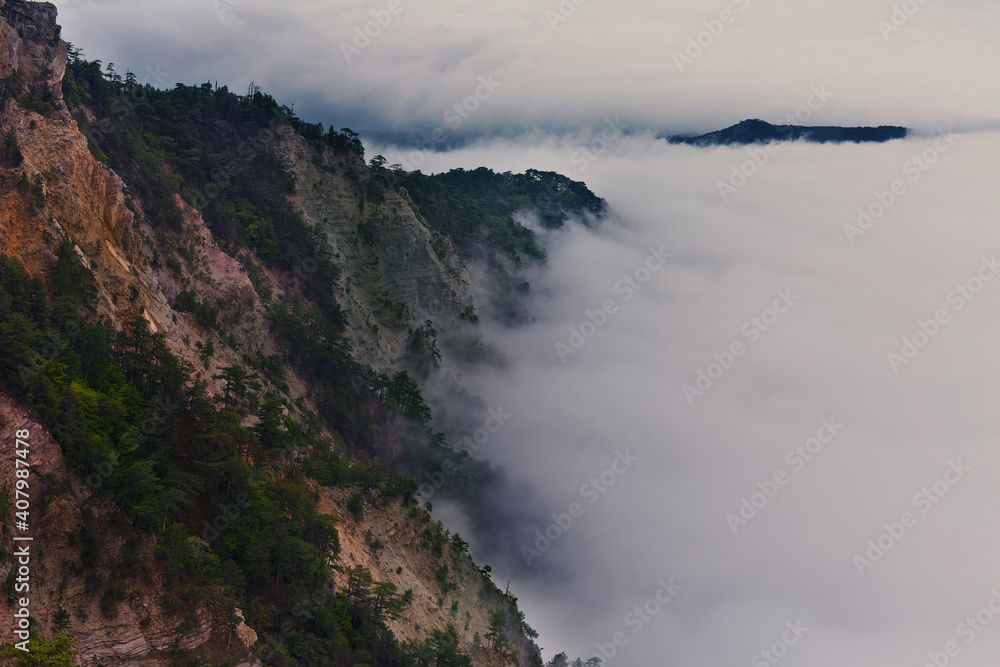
[[606, 59]]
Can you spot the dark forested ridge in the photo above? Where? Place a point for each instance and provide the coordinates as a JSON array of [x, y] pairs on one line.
[[756, 131]]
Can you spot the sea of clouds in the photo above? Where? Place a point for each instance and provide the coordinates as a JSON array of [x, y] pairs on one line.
[[789, 423]]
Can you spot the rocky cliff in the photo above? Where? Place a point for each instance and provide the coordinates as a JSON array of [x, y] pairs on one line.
[[97, 576], [393, 543], [160, 248], [117, 610], [398, 272], [82, 197]]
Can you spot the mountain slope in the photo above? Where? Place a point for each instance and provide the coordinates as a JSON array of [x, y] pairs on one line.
[[216, 317]]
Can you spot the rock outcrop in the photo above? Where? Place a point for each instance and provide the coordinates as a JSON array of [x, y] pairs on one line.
[[83, 197], [403, 556], [134, 630], [397, 271]]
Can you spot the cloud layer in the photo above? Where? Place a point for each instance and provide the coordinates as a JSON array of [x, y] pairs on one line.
[[909, 459]]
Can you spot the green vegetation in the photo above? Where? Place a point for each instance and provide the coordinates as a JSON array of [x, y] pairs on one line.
[[424, 351], [206, 314], [478, 210], [219, 147], [440, 650], [10, 151], [34, 95], [562, 660], [32, 191], [552, 196], [447, 585], [56, 652], [235, 519]]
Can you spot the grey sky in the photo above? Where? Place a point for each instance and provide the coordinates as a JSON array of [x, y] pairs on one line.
[[605, 59]]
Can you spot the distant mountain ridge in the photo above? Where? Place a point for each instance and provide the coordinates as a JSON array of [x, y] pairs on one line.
[[756, 131]]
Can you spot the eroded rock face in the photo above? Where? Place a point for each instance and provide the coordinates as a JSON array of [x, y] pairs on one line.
[[397, 272], [389, 257], [83, 198], [405, 547], [244, 632], [139, 631], [86, 200]]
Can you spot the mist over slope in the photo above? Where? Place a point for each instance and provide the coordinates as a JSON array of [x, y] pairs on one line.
[[808, 385]]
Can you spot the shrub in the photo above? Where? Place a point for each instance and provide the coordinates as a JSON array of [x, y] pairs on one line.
[[10, 150], [356, 506]]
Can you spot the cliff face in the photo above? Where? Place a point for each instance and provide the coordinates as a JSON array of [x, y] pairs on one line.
[[82, 197], [392, 542], [396, 272], [116, 611], [87, 201]]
